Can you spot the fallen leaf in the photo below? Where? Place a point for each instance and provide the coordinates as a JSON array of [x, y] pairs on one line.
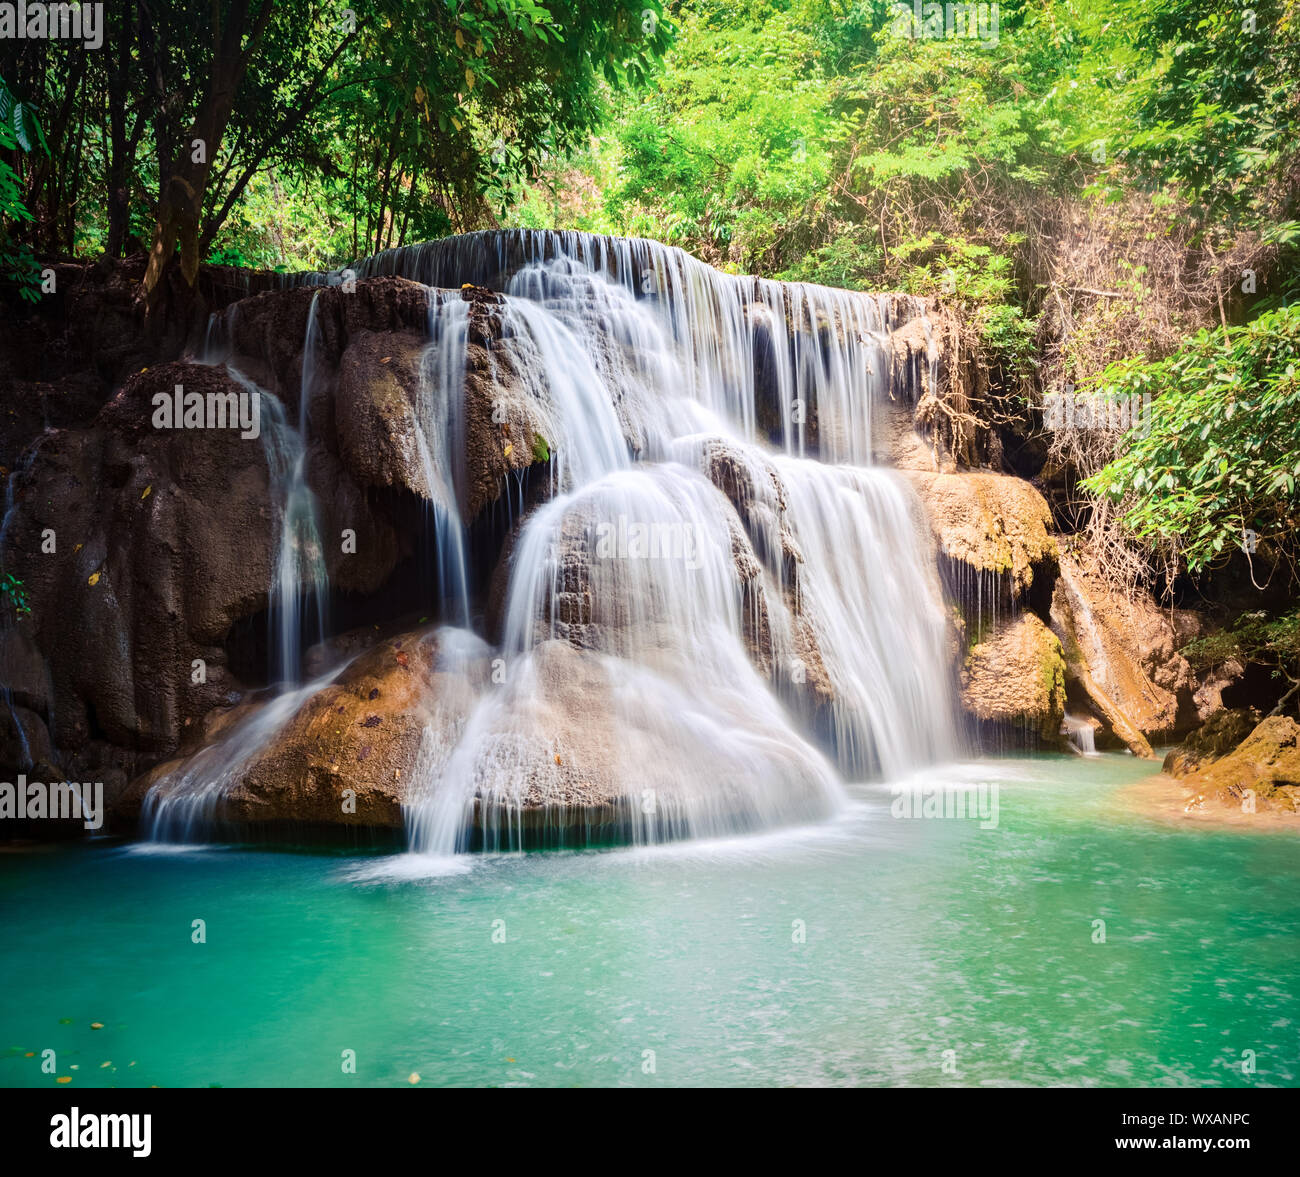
[[64, 1079], [509, 449], [94, 578], [96, 1025], [148, 490], [557, 759], [414, 1077]]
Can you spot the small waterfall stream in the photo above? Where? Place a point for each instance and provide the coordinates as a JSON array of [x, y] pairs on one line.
[[182, 807]]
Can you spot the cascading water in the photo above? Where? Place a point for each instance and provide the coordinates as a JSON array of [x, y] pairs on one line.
[[1082, 733], [299, 580], [635, 663], [723, 599], [182, 807]]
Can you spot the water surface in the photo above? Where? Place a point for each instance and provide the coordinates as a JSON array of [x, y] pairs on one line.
[[855, 952]]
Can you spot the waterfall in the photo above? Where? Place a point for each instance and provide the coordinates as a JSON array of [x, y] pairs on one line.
[[722, 611], [182, 807], [299, 578], [1082, 733], [628, 614]]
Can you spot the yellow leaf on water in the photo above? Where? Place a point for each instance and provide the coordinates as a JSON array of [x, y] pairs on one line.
[[94, 578], [96, 1025], [414, 1077], [102, 1065], [64, 1079]]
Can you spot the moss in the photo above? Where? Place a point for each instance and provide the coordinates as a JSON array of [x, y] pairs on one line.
[[541, 451]]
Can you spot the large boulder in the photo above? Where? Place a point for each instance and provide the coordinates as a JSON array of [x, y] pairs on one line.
[[1013, 684], [1121, 660], [1215, 738], [994, 537], [344, 752], [1263, 769], [156, 541]]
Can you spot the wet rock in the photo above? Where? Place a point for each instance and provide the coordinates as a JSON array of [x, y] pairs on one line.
[[155, 541], [378, 388], [348, 755], [994, 538], [1121, 658], [1013, 683], [1214, 739], [1263, 770]]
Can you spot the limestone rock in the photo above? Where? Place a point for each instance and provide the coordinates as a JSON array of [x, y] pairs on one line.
[[1266, 764], [1013, 682]]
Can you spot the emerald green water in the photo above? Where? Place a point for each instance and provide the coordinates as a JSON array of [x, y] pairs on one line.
[[922, 936]]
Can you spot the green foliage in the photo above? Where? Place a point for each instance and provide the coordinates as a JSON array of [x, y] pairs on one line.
[[13, 594], [1221, 454], [18, 265], [728, 155], [1253, 637], [344, 136], [19, 130]]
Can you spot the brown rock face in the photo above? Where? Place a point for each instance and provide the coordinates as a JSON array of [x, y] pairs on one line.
[[937, 356], [348, 755], [155, 541], [1120, 657], [1214, 739], [1013, 683], [994, 536], [159, 540], [1264, 769]]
